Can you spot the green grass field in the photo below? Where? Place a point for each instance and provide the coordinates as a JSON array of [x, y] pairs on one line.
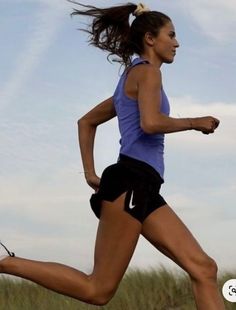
[[139, 290]]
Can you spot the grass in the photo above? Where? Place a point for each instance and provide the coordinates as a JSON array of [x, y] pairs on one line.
[[139, 290]]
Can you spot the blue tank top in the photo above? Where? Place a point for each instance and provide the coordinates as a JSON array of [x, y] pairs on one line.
[[134, 142]]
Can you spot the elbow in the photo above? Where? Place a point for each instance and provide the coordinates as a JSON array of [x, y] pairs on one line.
[[148, 129], [79, 122], [85, 122], [82, 121], [151, 128], [82, 124]]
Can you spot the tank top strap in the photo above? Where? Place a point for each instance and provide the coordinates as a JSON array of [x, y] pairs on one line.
[[120, 87], [138, 61], [135, 62]]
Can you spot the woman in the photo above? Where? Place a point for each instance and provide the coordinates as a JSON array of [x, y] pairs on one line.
[[126, 199]]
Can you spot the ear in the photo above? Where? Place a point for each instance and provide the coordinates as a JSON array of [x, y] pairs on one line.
[[149, 38]]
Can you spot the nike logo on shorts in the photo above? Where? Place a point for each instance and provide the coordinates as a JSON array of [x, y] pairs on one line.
[[131, 204]]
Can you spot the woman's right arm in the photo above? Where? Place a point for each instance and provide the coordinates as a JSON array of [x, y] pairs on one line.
[[87, 126], [152, 120]]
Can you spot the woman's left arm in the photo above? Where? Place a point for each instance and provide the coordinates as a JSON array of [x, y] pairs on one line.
[[87, 126]]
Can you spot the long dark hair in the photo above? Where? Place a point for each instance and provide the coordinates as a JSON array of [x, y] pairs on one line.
[[111, 31]]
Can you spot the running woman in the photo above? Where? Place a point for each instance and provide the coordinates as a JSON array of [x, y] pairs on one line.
[[126, 198]]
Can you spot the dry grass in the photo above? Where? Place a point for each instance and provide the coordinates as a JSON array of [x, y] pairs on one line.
[[139, 290]]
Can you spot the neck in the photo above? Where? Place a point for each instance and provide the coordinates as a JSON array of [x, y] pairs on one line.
[[152, 60]]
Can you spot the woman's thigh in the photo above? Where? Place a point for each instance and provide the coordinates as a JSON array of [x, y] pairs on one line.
[[117, 236], [165, 230]]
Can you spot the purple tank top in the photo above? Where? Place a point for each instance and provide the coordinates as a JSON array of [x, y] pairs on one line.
[[134, 142]]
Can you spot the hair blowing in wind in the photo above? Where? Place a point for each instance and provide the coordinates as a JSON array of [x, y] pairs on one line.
[[111, 30]]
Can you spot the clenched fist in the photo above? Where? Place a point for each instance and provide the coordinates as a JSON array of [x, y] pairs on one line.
[[206, 124]]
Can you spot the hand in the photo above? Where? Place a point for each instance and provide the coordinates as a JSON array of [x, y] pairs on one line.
[[206, 124], [93, 180]]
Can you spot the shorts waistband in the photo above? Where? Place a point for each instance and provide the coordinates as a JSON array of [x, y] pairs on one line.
[[138, 164]]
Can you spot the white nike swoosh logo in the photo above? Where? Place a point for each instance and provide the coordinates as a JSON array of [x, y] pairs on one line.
[[131, 204]]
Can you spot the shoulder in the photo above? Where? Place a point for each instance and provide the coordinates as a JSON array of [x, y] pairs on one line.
[[146, 72], [149, 76]]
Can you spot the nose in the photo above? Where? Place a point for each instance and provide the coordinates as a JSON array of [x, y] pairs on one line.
[[176, 45]]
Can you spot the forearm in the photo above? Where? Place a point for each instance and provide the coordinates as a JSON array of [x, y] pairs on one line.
[[164, 124], [86, 134]]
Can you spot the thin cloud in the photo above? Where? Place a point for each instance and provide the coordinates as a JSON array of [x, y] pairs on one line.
[[47, 24], [223, 140], [215, 18], [54, 3]]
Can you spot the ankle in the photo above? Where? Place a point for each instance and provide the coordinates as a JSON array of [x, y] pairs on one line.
[[4, 261]]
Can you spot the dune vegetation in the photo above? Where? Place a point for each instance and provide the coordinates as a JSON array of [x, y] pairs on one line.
[[139, 290]]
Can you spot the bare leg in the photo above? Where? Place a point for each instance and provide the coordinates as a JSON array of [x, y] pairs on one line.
[[117, 237], [164, 229]]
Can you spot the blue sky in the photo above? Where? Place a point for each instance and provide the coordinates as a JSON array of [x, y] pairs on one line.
[[50, 77]]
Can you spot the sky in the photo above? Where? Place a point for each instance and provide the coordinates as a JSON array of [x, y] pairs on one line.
[[50, 77]]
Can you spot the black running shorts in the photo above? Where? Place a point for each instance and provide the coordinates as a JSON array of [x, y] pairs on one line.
[[139, 180]]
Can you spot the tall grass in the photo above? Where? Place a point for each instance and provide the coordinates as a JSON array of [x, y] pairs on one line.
[[139, 290]]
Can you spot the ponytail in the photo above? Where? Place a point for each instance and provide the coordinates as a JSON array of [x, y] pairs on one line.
[[110, 29]]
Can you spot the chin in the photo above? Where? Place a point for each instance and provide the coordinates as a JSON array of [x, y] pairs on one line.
[[168, 61]]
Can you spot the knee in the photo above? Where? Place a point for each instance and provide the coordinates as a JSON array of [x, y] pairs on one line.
[[205, 269], [101, 294]]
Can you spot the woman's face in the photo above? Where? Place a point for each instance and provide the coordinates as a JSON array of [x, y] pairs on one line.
[[165, 44]]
